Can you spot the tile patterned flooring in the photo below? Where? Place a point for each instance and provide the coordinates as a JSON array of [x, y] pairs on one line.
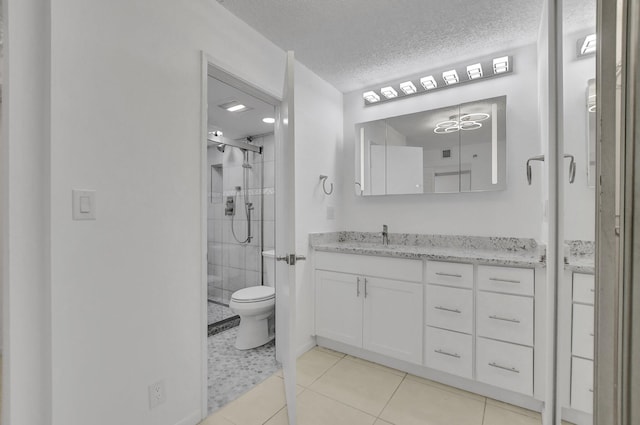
[[336, 389], [233, 372], [217, 312]]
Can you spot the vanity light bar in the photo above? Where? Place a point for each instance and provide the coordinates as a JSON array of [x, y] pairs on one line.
[[389, 92], [429, 82], [450, 77], [501, 65], [371, 97], [408, 87], [475, 71]]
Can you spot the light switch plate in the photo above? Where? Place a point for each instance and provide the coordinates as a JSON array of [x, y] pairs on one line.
[[83, 204]]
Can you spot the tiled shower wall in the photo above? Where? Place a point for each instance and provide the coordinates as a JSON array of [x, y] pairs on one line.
[[233, 265]]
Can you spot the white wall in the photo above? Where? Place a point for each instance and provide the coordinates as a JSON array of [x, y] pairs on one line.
[[579, 198], [25, 214], [126, 301], [319, 150], [516, 211]]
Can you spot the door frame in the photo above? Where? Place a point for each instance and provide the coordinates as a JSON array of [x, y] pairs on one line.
[[211, 67]]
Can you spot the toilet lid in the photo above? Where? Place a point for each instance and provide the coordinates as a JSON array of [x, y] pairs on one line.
[[254, 294]]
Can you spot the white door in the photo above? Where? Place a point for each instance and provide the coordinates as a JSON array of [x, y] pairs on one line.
[[393, 318], [339, 299], [285, 281]]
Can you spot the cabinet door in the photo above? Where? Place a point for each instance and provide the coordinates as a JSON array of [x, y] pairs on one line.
[[393, 318], [339, 307]]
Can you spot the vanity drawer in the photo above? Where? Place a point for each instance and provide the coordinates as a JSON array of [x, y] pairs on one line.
[[505, 365], [384, 267], [451, 274], [449, 352], [505, 317], [449, 308], [584, 287], [582, 332], [509, 280], [582, 384]]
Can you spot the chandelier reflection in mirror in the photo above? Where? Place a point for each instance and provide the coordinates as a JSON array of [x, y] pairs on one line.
[[465, 122]]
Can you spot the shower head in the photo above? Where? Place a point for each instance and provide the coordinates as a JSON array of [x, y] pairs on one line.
[[221, 147]]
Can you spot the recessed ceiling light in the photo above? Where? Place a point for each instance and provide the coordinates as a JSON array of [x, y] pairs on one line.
[[268, 120], [236, 108], [501, 65], [588, 45], [407, 87], [428, 82], [389, 92], [450, 77], [371, 97], [474, 71]]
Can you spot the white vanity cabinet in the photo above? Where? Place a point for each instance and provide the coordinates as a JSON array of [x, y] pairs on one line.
[[582, 346], [467, 325], [359, 304]]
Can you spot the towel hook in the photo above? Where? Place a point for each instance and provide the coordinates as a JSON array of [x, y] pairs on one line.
[[323, 179]]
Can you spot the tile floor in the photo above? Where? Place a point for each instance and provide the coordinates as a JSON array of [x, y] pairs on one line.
[[334, 389], [233, 372], [217, 312]]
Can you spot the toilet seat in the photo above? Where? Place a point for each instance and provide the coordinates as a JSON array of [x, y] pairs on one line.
[[253, 294]]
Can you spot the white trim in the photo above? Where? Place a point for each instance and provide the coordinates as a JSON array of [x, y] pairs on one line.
[[193, 419], [212, 67]]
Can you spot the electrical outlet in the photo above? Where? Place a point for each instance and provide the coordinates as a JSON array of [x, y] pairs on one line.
[[157, 394]]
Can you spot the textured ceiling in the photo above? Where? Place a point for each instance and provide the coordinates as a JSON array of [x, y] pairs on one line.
[[359, 43]]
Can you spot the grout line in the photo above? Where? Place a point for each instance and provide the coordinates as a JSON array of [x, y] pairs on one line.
[[392, 394], [484, 410]]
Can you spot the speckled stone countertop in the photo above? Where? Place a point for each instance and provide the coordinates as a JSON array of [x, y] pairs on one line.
[[466, 249], [581, 258]]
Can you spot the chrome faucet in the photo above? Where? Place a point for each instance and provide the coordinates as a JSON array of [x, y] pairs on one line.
[[385, 235]]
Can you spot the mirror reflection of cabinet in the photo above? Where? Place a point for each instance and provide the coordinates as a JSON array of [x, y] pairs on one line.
[[460, 148], [591, 133]]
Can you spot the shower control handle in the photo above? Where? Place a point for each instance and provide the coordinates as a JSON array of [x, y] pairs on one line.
[[291, 259]]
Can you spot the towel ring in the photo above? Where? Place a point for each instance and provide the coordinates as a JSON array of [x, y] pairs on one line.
[[323, 179]]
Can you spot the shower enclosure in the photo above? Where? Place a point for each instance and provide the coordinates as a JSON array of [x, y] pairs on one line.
[[240, 217]]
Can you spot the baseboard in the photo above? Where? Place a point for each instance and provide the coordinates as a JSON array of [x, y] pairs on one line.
[[476, 387], [193, 419], [306, 346], [576, 416]]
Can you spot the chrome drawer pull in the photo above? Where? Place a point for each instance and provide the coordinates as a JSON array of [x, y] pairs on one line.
[[592, 290], [457, 356], [358, 288], [448, 274], [591, 334], [590, 390], [504, 319], [453, 310], [497, 279], [509, 369]]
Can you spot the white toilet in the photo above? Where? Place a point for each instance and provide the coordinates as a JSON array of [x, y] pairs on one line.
[[256, 307]]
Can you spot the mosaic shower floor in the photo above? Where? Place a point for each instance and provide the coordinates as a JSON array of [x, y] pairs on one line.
[[233, 372]]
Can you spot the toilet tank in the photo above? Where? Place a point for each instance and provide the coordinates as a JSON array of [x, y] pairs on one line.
[[269, 261]]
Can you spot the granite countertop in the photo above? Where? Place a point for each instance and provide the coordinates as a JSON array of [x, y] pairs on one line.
[[465, 249], [581, 258]]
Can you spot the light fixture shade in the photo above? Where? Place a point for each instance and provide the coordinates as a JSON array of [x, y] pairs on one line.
[[371, 96], [408, 87], [236, 108], [450, 77], [588, 45], [501, 65], [429, 82], [389, 92], [474, 71]]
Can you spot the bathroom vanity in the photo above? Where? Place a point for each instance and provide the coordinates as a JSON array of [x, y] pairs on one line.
[[468, 312]]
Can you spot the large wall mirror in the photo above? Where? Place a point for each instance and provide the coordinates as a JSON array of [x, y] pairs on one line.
[[459, 148]]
